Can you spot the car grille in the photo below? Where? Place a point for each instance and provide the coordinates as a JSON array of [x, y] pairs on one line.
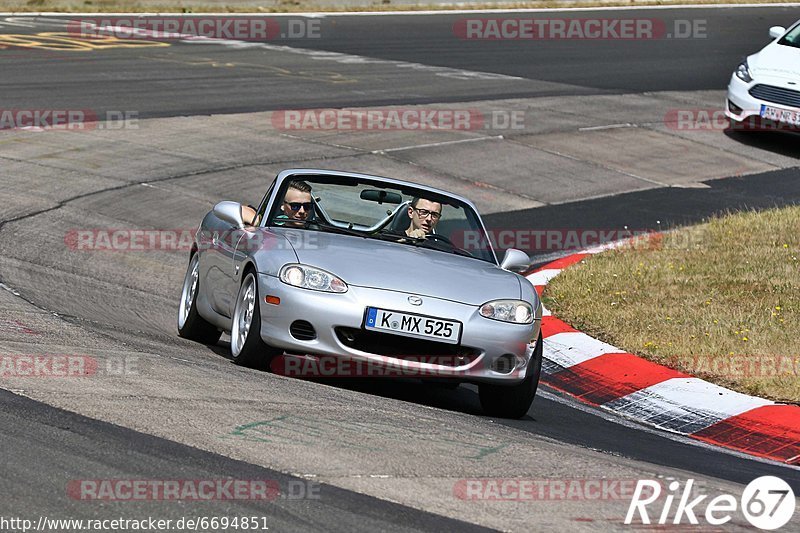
[[777, 95], [406, 348]]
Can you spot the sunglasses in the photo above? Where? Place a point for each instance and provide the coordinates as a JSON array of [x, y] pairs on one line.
[[295, 206]]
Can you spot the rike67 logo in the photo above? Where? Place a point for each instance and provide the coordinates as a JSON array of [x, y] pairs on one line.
[[767, 502]]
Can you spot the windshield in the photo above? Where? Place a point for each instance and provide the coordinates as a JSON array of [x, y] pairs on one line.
[[373, 209], [792, 38]]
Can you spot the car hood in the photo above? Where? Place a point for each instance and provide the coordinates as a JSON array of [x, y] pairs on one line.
[[776, 61], [404, 268]]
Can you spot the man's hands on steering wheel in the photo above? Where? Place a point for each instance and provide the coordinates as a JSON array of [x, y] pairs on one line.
[[440, 237], [419, 233]]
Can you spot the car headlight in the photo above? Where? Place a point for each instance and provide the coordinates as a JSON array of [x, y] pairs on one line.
[[515, 311], [743, 72], [308, 277]]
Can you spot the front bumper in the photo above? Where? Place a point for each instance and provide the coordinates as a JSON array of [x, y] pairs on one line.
[[749, 107], [488, 343]]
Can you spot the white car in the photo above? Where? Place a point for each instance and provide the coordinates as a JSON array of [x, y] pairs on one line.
[[764, 91]]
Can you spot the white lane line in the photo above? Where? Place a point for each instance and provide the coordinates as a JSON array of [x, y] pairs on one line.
[[151, 186], [608, 127], [322, 55], [432, 145], [351, 59], [9, 289]]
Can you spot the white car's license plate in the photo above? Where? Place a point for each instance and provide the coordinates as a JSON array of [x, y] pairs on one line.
[[424, 327], [781, 115]]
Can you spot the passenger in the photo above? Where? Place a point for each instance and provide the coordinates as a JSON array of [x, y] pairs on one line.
[[297, 204], [250, 216]]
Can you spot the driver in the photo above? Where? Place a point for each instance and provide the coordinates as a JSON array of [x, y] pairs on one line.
[[424, 215]]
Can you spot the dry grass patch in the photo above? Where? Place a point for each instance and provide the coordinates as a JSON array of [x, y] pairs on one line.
[[720, 300]]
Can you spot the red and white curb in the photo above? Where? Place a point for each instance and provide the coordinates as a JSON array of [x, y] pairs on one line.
[[603, 375]]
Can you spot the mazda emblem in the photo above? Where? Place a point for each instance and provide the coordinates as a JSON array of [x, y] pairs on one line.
[[415, 300]]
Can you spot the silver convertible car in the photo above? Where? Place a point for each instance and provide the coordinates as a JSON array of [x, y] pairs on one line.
[[369, 271]]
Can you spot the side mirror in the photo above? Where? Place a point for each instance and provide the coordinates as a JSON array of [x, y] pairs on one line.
[[515, 260], [230, 212], [776, 31]]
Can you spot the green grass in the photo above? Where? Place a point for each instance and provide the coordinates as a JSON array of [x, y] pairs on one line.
[[720, 300]]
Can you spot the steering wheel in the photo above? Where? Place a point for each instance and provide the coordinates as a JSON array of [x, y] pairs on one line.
[[437, 236]]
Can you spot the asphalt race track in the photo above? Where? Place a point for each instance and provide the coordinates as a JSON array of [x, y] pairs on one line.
[[181, 80], [599, 148]]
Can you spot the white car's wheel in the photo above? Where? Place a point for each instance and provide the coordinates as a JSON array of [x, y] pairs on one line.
[[190, 324], [513, 401], [247, 348]]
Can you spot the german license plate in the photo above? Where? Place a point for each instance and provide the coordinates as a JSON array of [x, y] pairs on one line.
[[423, 327], [781, 115]]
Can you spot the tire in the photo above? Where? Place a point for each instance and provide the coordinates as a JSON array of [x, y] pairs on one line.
[[513, 401], [190, 324], [247, 348]]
